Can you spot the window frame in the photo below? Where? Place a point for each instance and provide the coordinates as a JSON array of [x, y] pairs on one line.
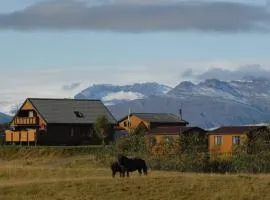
[[233, 139], [216, 140], [72, 132]]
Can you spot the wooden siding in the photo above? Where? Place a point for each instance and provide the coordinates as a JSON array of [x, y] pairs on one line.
[[227, 143], [26, 120], [28, 106], [71, 134], [135, 121], [20, 136]]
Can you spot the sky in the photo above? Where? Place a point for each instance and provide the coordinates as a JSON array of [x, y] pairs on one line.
[[56, 48]]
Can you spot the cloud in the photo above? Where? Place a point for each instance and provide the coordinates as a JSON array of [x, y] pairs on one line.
[[139, 16], [71, 86], [249, 70], [48, 83], [187, 73]]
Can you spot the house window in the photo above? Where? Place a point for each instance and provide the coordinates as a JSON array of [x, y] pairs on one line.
[[72, 132], [236, 140], [218, 140], [31, 114], [125, 124], [78, 114]]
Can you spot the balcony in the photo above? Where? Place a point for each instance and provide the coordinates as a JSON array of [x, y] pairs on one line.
[[20, 136], [26, 121]]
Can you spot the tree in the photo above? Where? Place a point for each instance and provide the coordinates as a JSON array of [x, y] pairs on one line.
[[134, 143], [140, 130], [102, 128], [258, 141], [193, 142]]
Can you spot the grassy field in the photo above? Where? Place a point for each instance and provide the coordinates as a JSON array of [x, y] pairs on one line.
[[79, 177]]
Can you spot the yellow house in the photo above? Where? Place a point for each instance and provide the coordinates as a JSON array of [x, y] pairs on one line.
[[151, 120], [223, 139], [161, 125], [168, 133]]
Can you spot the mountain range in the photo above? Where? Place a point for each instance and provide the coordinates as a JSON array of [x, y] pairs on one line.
[[4, 118], [115, 94], [207, 104], [210, 103]]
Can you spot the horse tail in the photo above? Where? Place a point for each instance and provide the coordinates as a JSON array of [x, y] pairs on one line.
[[144, 168]]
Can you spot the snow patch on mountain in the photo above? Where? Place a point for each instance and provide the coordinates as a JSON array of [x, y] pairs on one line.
[[122, 95], [113, 94], [210, 103]]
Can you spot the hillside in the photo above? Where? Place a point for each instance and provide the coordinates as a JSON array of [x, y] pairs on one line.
[[114, 94], [205, 112], [210, 103], [4, 118], [207, 104]]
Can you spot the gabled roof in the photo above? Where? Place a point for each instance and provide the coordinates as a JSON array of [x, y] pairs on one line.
[[173, 130], [234, 129], [158, 117], [71, 111]]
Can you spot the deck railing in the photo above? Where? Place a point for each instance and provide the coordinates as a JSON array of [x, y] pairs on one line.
[[20, 136], [26, 120]]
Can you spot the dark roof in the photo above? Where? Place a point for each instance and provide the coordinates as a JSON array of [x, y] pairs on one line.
[[172, 130], [71, 111], [158, 117], [235, 129]]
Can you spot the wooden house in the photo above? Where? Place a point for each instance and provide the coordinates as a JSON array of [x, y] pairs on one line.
[[57, 122], [167, 133], [224, 139], [151, 121]]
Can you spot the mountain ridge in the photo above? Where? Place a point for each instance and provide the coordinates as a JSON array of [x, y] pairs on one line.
[[4, 118], [210, 103], [114, 94]]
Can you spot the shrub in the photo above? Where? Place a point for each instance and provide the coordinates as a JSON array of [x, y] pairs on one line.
[[131, 145]]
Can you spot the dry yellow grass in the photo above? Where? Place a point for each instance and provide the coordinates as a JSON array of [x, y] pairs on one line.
[[78, 177]]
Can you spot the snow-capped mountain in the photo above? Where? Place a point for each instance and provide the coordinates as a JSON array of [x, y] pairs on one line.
[[210, 103], [244, 91], [114, 94]]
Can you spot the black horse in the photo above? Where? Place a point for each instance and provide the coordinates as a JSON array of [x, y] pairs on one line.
[[133, 164], [116, 167]]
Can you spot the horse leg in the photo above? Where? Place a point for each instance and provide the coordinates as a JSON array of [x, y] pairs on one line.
[[113, 174], [127, 173], [145, 169], [140, 171]]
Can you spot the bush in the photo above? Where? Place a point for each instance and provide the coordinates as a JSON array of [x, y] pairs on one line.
[[132, 145], [165, 162], [257, 163]]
